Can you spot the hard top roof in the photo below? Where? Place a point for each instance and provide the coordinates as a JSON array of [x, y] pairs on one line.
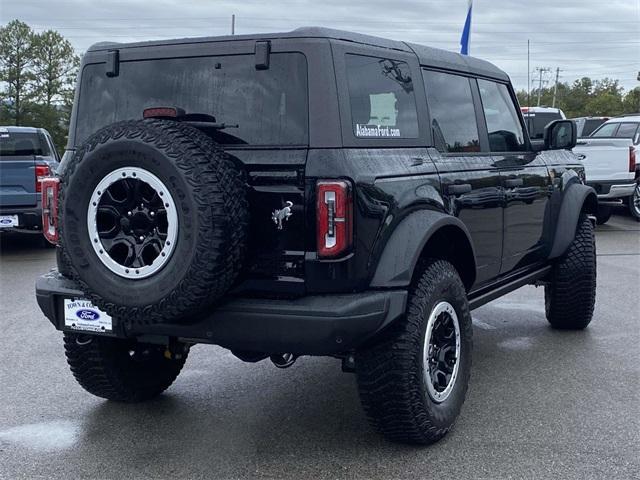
[[427, 56], [14, 129], [625, 118]]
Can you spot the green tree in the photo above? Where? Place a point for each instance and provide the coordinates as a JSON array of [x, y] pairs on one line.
[[604, 104], [55, 66], [607, 86], [16, 59], [631, 102]]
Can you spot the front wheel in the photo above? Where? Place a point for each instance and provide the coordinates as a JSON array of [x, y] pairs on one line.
[[121, 370], [413, 380], [570, 295], [634, 203]]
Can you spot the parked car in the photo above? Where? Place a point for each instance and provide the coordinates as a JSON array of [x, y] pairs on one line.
[[610, 157], [586, 125], [27, 155], [316, 192], [537, 118]]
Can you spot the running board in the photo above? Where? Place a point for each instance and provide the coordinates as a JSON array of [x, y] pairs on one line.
[[482, 296]]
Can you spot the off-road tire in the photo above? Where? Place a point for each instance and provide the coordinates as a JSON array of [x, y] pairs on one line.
[[634, 203], [210, 196], [390, 372], [570, 294], [603, 214], [104, 367]]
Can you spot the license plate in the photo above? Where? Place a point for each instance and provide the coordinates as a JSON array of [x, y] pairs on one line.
[[82, 315], [8, 221]]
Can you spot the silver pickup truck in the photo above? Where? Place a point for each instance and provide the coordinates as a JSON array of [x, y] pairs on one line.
[[612, 167]]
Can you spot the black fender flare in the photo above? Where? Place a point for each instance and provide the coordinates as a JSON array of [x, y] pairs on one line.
[[403, 249], [575, 199]]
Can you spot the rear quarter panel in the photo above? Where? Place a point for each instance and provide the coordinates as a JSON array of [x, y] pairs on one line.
[[389, 184]]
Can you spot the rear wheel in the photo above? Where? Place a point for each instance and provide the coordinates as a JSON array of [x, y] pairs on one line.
[[413, 381], [570, 295], [121, 370], [634, 203]]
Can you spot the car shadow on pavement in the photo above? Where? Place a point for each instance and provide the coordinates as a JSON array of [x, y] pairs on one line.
[[254, 420], [260, 422]]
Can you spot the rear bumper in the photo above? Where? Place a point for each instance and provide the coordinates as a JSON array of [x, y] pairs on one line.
[[29, 218], [312, 325], [612, 189]]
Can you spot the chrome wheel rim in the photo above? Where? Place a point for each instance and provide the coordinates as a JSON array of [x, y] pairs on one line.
[[132, 222], [441, 353], [636, 200]]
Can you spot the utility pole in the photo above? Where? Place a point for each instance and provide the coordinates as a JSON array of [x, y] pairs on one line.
[[233, 24], [529, 74], [555, 87], [540, 70]]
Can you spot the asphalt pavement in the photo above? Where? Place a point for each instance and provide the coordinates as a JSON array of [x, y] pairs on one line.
[[541, 404]]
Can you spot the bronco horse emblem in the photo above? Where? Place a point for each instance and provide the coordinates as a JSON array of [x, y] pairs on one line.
[[278, 216]]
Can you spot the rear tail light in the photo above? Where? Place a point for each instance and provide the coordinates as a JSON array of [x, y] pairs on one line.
[[50, 186], [632, 159], [334, 213], [41, 172]]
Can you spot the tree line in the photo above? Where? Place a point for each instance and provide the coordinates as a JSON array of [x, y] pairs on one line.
[[37, 79], [38, 73], [587, 97]]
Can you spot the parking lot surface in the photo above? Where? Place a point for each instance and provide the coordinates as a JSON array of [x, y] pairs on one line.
[[541, 404]]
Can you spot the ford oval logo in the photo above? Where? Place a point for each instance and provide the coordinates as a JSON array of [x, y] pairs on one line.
[[87, 314], [5, 221]]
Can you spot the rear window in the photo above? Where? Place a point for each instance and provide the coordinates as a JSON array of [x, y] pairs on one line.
[[536, 122], [269, 107], [14, 144], [382, 99]]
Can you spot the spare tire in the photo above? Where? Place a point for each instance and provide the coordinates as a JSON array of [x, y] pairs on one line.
[[153, 220]]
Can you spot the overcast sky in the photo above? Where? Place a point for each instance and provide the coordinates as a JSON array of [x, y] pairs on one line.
[[583, 38]]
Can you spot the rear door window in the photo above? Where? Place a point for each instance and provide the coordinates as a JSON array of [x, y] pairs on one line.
[[381, 97], [627, 130], [260, 107], [453, 117], [503, 122]]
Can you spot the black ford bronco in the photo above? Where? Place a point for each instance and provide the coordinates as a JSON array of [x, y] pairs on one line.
[[316, 192]]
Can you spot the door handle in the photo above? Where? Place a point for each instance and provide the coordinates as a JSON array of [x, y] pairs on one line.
[[514, 182], [459, 189]]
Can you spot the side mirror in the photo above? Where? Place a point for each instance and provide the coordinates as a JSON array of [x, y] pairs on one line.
[[560, 135]]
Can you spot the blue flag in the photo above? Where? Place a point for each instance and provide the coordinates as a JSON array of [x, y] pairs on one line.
[[466, 32]]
